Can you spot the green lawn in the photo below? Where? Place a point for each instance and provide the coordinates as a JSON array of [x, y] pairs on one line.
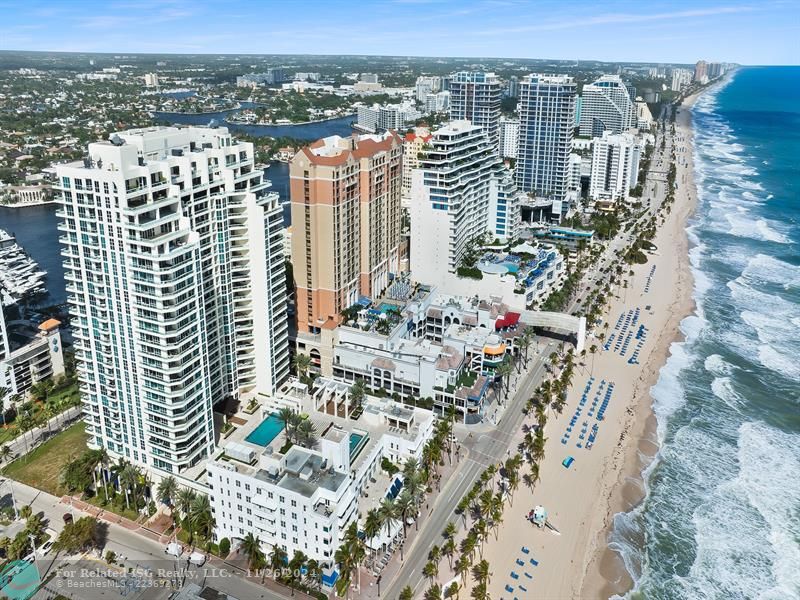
[[41, 468]]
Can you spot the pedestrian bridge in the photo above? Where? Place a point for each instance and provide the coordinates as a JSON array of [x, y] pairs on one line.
[[560, 322]]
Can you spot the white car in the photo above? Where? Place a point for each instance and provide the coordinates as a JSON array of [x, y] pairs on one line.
[[44, 548]]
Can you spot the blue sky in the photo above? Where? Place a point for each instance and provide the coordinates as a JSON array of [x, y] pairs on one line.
[[756, 32]]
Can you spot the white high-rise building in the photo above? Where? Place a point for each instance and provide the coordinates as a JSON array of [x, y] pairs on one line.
[[151, 80], [546, 110], [607, 106], [509, 137], [615, 166], [438, 102], [427, 84], [475, 97], [680, 79], [177, 289], [460, 191], [386, 117]]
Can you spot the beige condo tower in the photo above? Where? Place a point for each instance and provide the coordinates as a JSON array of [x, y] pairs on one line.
[[346, 218]]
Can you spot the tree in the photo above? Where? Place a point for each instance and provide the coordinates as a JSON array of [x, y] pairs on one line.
[[405, 507], [306, 433], [452, 590], [387, 512], [167, 490], [251, 548], [287, 416], [278, 558], [434, 592], [184, 500], [431, 571], [78, 536], [201, 517], [358, 392], [224, 547], [301, 363], [593, 351], [406, 593], [5, 453]]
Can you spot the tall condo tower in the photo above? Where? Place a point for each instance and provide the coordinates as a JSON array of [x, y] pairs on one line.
[[475, 97], [177, 288], [460, 191], [346, 218], [546, 120], [607, 105]]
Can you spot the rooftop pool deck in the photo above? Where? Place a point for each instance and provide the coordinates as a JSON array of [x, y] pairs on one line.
[[266, 431]]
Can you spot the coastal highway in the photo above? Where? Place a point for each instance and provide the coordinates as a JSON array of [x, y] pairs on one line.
[[490, 447]]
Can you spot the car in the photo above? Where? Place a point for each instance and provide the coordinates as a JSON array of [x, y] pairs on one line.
[[45, 548]]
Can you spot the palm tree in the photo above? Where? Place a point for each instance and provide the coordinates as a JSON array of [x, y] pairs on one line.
[[277, 558], [314, 574], [357, 392], [184, 500], [462, 567], [372, 525], [405, 507], [306, 433], [201, 517], [251, 548], [452, 590], [286, 416], [524, 342], [355, 549], [406, 593], [387, 513], [434, 592], [431, 571], [5, 453], [129, 479], [593, 351], [167, 490], [480, 572], [301, 364], [448, 550]]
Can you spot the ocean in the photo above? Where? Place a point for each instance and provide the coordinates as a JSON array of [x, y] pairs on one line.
[[721, 516]]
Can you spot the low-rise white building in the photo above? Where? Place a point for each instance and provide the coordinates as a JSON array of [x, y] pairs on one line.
[[304, 498], [39, 359]]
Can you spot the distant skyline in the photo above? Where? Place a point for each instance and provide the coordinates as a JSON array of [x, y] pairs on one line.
[[615, 30]]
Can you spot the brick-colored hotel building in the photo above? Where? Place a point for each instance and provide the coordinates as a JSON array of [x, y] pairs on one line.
[[346, 217]]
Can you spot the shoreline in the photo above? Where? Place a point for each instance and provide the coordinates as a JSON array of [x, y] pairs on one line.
[[605, 574], [288, 124], [24, 204], [582, 500]]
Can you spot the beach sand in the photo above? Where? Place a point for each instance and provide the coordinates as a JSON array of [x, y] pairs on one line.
[[605, 479]]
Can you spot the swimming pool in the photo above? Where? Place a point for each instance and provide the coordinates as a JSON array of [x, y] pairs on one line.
[[266, 431], [386, 307], [355, 443]]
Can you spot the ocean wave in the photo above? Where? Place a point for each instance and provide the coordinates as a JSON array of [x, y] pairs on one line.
[[723, 389], [773, 319], [768, 269], [758, 229], [716, 365]]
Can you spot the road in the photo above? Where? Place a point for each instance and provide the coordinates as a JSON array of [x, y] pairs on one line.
[[490, 447], [25, 443], [136, 551]]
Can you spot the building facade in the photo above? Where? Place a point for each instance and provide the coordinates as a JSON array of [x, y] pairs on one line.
[[454, 199], [175, 273], [680, 79], [607, 105], [346, 217], [41, 358], [475, 97], [615, 166], [546, 119], [509, 138]]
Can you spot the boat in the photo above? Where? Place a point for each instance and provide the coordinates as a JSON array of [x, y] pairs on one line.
[[20, 275]]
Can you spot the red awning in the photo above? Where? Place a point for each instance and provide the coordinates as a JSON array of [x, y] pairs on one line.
[[507, 320]]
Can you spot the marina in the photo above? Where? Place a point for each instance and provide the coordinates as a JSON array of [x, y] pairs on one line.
[[20, 275]]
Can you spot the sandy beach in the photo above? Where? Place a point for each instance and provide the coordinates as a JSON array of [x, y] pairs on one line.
[[606, 478]]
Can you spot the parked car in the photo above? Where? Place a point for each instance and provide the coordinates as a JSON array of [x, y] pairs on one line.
[[45, 548]]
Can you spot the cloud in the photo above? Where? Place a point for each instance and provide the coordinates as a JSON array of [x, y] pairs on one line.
[[618, 19]]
